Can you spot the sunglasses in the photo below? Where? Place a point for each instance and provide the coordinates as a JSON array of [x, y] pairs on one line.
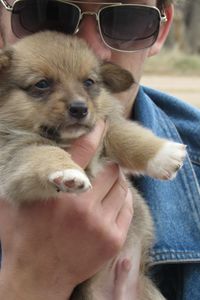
[[123, 27]]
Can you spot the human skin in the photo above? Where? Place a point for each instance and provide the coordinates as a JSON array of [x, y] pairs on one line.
[[99, 218]]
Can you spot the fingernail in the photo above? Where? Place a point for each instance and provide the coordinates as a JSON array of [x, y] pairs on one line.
[[126, 264]]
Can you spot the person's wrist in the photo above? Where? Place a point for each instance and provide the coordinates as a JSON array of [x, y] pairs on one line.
[[18, 286]]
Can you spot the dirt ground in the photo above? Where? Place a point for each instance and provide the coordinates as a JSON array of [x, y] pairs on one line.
[[186, 88]]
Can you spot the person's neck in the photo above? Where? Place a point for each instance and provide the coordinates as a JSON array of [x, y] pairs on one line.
[[127, 99]]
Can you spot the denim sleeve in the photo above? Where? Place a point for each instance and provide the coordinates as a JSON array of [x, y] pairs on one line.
[[178, 281], [175, 205]]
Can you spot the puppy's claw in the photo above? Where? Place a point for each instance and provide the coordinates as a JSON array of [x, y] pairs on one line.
[[70, 180], [167, 162]]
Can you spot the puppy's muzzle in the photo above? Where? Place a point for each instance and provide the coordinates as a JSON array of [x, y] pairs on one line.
[[78, 110]]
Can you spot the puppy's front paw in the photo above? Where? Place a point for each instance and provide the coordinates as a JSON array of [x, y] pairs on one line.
[[165, 164], [70, 180]]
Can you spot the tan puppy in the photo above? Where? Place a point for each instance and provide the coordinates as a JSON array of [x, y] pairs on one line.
[[52, 90]]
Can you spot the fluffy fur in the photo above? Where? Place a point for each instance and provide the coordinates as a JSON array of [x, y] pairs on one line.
[[53, 89]]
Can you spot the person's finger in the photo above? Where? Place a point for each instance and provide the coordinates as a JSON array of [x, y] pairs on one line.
[[121, 276], [103, 183], [123, 287], [125, 215], [127, 273], [85, 147], [114, 200]]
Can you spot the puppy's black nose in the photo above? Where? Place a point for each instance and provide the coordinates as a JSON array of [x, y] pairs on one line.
[[78, 110]]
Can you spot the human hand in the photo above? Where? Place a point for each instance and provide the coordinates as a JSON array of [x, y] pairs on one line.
[[48, 248]]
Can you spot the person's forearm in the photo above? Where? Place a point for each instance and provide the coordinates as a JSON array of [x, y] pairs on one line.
[[11, 294], [16, 289]]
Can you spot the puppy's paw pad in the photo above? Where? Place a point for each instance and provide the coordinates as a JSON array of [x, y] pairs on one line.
[[70, 180], [167, 161]]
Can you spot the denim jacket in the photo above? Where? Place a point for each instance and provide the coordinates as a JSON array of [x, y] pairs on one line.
[[175, 205]]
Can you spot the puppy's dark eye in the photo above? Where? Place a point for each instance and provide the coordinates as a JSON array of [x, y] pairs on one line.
[[88, 82], [42, 84]]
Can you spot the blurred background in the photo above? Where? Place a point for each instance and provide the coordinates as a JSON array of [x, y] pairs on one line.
[[176, 69]]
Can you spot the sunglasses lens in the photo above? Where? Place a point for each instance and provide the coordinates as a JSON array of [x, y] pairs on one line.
[[129, 28], [30, 16]]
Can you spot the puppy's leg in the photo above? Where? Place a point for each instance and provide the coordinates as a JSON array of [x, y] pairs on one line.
[[138, 149], [38, 172]]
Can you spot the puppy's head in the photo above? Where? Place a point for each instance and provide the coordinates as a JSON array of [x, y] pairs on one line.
[[55, 86]]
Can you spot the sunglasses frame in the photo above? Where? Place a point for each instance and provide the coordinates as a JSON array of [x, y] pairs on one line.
[[163, 17]]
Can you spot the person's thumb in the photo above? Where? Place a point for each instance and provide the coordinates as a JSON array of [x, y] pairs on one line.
[[84, 148]]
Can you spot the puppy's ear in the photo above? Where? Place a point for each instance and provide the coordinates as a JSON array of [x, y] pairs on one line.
[[115, 78], [5, 58]]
